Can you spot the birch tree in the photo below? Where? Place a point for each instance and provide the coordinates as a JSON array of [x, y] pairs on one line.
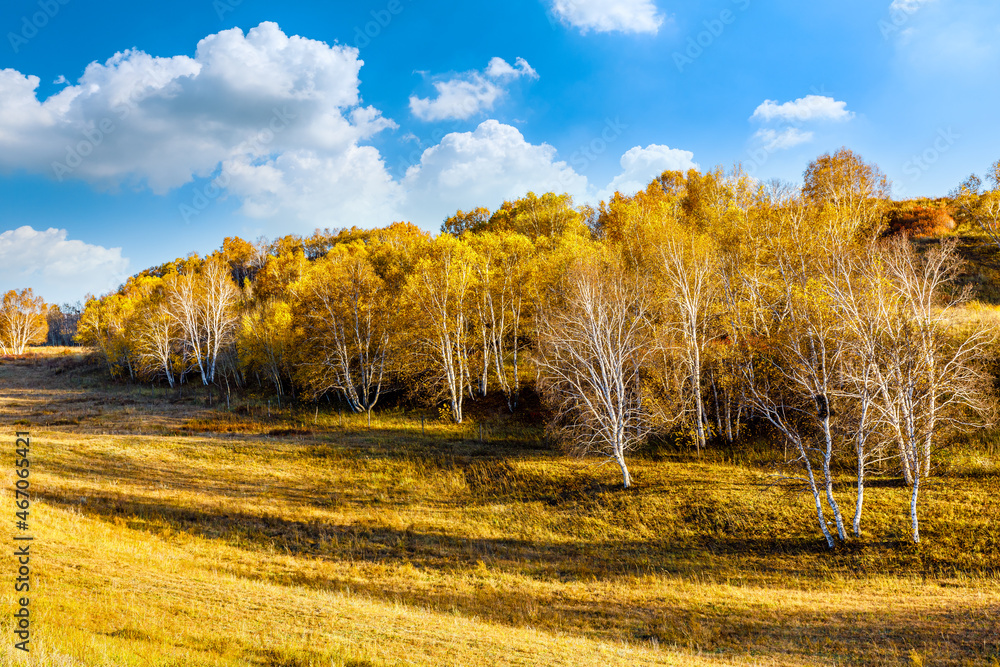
[[791, 348], [439, 296], [865, 304], [158, 341], [503, 277], [203, 305], [981, 206], [689, 289], [773, 398], [809, 353], [157, 336], [593, 341], [346, 313], [934, 378], [23, 321]]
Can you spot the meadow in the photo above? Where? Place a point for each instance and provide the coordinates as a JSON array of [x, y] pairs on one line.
[[171, 531]]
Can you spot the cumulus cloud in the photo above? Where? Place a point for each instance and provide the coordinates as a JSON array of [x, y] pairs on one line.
[[274, 121], [483, 168], [468, 94], [277, 123], [58, 268], [162, 122], [808, 108], [787, 138], [501, 69], [628, 16], [350, 187], [642, 165]]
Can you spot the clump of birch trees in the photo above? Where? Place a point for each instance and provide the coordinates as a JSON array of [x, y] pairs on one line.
[[698, 305]]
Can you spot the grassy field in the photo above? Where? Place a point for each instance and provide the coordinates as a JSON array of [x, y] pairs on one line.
[[171, 532]]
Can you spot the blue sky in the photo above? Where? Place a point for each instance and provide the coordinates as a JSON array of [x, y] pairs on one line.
[[133, 133]]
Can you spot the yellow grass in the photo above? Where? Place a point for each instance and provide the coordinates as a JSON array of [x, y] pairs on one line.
[[159, 543]]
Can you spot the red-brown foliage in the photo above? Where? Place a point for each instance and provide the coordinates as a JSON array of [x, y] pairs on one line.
[[919, 221]]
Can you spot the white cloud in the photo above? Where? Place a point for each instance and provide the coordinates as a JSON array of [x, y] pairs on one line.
[[629, 16], [641, 165], [483, 168], [241, 100], [808, 108], [501, 69], [343, 189], [470, 93], [787, 138], [57, 268], [275, 122]]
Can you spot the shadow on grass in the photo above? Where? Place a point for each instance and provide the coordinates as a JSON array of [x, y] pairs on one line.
[[871, 633]]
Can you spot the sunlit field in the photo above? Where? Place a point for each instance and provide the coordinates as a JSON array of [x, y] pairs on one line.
[[173, 532]]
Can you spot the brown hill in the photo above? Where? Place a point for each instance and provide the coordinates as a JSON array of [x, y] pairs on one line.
[[919, 221]]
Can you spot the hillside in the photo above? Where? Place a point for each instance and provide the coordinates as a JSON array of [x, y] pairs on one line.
[[169, 532]]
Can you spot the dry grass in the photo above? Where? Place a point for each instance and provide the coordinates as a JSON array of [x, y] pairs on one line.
[[171, 533]]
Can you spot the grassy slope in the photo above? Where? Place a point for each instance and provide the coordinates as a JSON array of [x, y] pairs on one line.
[[158, 545]]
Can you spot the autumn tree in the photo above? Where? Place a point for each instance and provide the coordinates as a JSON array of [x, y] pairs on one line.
[[154, 334], [472, 221], [106, 325], [706, 201], [23, 321], [502, 268], [62, 321], [981, 206], [203, 305], [549, 216], [865, 303], [791, 348], [284, 263], [243, 257], [688, 299], [857, 192], [438, 294], [346, 315], [264, 341], [632, 224], [593, 341], [324, 240], [933, 378]]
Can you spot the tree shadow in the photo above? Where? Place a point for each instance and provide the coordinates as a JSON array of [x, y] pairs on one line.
[[862, 635]]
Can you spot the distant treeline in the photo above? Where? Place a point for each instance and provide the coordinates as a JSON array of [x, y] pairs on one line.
[[700, 304]]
